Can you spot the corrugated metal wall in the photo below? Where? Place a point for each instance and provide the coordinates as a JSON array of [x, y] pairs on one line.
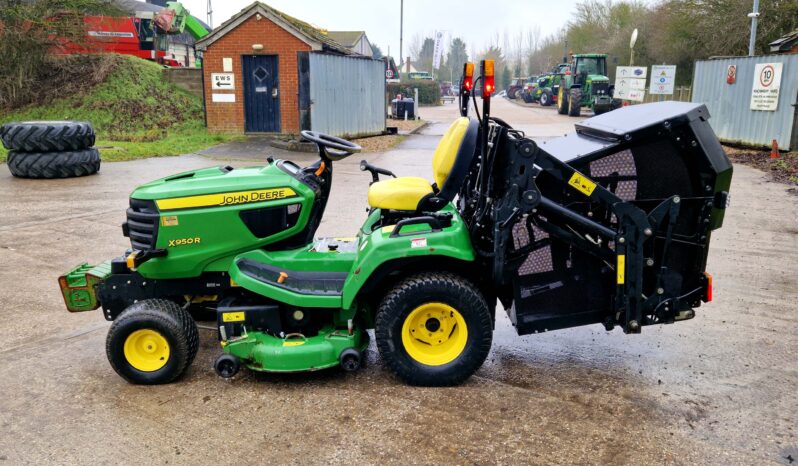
[[729, 104], [347, 95]]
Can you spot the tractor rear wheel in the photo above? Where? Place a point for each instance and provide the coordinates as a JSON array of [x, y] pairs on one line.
[[545, 98], [65, 164], [152, 342], [562, 100], [47, 136], [434, 329], [575, 102]]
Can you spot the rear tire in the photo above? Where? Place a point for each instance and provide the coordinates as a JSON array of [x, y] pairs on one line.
[[47, 136], [545, 98], [562, 100], [152, 342], [527, 96], [575, 102], [454, 326], [50, 165]]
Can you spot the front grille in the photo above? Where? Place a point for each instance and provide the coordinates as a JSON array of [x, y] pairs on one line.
[[142, 224], [601, 88]]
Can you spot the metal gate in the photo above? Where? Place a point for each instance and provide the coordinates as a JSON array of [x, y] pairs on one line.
[[729, 103], [261, 94]]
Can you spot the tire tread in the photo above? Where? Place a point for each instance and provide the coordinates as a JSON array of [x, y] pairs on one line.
[[47, 136], [170, 314], [392, 303], [48, 165]]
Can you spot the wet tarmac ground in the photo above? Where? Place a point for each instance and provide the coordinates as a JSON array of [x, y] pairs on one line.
[[719, 389]]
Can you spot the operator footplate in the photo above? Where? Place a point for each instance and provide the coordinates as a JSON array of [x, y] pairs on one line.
[[309, 283]]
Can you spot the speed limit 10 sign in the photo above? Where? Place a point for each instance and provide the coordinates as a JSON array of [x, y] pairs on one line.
[[765, 92]]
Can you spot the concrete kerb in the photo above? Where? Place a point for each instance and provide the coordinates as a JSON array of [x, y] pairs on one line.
[[419, 128]]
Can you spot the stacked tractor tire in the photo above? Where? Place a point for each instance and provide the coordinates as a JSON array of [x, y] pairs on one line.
[[50, 149]]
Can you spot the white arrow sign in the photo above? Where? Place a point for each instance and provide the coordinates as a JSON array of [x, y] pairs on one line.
[[223, 81], [631, 72], [630, 83]]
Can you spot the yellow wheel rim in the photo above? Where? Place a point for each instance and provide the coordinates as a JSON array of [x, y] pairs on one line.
[[559, 96], [434, 334], [146, 350]]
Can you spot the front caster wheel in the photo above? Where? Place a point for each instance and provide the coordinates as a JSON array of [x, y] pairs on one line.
[[152, 342], [434, 329], [227, 366], [350, 359]]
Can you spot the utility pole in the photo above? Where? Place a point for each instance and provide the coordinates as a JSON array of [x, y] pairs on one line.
[[754, 15], [401, 29], [210, 15]]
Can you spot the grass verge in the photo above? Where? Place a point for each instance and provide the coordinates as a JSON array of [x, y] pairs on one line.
[[134, 110]]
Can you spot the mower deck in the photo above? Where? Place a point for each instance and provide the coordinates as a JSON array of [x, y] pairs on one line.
[[295, 352]]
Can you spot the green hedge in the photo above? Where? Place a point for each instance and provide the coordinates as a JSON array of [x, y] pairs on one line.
[[429, 92]]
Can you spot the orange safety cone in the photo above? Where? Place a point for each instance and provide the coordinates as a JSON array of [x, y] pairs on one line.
[[774, 149]]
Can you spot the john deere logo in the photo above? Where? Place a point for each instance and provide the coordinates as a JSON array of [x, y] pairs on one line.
[[223, 199], [255, 196]]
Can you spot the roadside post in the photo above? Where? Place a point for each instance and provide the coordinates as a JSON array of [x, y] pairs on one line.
[[415, 103]]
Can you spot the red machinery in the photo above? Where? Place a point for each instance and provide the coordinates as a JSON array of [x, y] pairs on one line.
[[144, 35], [126, 35]]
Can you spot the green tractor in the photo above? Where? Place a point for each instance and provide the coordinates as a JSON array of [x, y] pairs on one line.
[[546, 89], [614, 232], [585, 84]]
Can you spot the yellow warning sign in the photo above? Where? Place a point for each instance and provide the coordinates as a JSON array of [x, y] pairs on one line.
[[582, 184], [233, 317], [621, 269], [169, 221]]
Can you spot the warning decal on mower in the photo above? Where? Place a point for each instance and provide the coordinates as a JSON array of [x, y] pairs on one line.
[[169, 221], [418, 243], [233, 317], [222, 199], [621, 269], [582, 184]]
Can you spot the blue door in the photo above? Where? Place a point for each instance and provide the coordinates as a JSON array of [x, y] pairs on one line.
[[261, 94]]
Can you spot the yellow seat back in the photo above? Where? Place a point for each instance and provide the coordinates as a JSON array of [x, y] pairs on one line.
[[446, 152]]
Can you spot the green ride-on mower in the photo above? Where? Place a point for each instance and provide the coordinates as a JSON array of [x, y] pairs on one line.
[[585, 84], [609, 225]]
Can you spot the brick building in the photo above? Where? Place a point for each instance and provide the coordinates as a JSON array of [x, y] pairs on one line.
[[258, 73]]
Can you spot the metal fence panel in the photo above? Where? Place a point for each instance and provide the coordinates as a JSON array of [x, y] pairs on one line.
[[729, 104], [347, 95]]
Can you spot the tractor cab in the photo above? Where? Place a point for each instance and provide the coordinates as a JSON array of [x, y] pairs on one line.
[[589, 68]]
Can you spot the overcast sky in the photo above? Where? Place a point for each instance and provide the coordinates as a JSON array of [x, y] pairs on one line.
[[380, 18]]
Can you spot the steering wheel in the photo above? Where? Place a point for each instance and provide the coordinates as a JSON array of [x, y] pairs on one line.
[[331, 147]]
